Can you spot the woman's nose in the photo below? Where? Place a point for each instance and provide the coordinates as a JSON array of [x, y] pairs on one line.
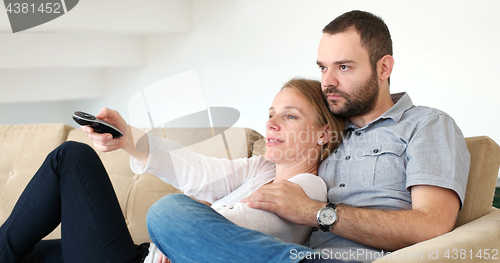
[[271, 124]]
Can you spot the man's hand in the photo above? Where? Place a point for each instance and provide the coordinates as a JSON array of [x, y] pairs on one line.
[[286, 199]]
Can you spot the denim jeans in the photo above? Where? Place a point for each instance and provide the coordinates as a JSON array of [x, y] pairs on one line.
[[188, 231], [71, 187]]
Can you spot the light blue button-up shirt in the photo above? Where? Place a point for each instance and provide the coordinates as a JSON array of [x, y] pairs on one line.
[[376, 165]]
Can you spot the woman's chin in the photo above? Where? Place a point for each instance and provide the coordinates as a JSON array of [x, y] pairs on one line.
[[273, 156]]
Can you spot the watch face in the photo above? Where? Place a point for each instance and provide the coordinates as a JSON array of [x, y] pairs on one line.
[[328, 216]]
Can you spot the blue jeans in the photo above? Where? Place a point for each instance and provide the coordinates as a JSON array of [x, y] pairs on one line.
[[188, 231], [71, 187]]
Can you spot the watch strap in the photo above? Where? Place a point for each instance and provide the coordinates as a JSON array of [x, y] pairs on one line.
[[332, 205]]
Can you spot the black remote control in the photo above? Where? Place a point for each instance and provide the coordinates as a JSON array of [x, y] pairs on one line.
[[96, 124]]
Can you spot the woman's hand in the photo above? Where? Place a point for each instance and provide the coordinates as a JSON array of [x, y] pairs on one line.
[[104, 142], [163, 259]]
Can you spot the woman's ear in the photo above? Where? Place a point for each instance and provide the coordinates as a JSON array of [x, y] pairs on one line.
[[324, 135]]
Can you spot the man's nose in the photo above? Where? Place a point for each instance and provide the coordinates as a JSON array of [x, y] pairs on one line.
[[329, 79]]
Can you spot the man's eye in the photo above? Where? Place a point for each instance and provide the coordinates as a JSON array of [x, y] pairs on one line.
[[322, 68], [343, 67]]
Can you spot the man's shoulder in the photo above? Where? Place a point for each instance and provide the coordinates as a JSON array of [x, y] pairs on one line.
[[423, 114]]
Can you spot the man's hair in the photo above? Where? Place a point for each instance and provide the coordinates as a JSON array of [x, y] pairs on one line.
[[374, 34]]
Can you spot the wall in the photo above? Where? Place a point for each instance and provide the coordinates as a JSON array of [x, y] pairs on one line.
[[446, 55]]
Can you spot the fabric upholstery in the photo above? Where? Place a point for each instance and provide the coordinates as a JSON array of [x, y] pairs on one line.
[[483, 174], [479, 236], [23, 148]]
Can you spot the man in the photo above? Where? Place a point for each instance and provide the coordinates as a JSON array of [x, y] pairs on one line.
[[398, 178]]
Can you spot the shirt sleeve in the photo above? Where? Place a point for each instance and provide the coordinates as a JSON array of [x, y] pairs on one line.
[[205, 178], [437, 155]]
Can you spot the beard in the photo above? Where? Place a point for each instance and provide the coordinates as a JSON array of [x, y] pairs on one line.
[[359, 102]]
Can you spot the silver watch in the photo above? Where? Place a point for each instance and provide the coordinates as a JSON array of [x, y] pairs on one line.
[[327, 216]]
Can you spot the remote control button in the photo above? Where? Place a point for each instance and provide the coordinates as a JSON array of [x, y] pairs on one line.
[[88, 116]]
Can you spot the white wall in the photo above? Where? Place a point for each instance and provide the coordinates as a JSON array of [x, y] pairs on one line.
[[446, 55]]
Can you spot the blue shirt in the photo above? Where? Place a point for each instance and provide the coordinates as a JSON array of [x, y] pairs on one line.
[[376, 165]]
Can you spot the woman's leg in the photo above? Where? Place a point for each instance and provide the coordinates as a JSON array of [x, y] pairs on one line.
[[71, 187], [45, 251], [187, 231]]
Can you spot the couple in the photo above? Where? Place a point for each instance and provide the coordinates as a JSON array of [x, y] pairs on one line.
[[73, 187], [388, 184]]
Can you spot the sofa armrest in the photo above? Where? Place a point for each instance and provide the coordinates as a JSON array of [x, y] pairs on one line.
[[473, 238]]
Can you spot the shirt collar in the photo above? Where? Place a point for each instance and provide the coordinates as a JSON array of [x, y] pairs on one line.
[[402, 103]]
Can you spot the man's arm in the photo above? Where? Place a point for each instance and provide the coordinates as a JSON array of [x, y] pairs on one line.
[[434, 211]]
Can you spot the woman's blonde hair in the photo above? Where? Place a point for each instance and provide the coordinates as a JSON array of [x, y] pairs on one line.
[[311, 90]]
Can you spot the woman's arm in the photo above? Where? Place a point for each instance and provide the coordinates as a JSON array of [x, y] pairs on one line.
[[129, 142], [205, 178]]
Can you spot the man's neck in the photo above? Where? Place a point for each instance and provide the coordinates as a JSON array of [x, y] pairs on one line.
[[384, 103]]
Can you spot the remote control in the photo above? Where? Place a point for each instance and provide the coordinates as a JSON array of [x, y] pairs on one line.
[[96, 124]]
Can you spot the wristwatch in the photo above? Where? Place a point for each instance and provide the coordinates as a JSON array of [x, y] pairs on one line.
[[327, 216]]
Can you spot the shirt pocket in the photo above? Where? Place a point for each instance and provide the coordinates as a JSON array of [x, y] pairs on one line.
[[387, 165]]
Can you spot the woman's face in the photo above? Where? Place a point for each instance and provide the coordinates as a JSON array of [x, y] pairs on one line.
[[292, 131]]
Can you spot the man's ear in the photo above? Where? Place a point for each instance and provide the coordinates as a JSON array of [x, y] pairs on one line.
[[384, 67]]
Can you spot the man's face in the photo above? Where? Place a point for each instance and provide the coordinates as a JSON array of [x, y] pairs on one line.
[[348, 82]]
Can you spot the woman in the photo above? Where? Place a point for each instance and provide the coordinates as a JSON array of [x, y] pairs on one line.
[[298, 138], [72, 186]]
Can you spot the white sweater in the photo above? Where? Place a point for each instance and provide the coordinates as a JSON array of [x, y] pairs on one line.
[[224, 183]]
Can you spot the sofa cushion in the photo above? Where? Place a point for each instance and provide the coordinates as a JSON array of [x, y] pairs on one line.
[[23, 149], [483, 173]]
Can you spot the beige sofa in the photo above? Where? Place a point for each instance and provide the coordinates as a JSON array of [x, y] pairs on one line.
[[24, 147]]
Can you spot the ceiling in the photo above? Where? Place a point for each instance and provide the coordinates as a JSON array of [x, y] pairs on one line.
[[94, 35]]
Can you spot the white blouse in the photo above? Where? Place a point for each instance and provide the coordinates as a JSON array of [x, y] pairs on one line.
[[224, 183]]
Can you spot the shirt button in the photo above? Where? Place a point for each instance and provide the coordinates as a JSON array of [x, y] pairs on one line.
[[341, 185], [375, 151], [348, 157], [358, 133]]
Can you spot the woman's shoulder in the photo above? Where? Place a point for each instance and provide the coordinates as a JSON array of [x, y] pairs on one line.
[[313, 185], [307, 178]]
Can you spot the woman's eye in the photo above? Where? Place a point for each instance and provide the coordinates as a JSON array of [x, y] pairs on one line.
[[270, 116], [290, 116]]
